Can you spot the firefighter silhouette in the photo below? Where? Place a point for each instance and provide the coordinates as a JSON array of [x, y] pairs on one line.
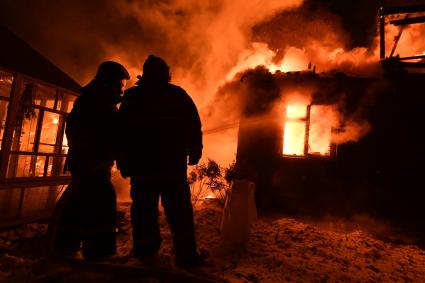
[[160, 135], [86, 213]]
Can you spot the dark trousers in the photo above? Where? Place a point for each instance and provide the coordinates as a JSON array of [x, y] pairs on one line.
[[87, 216], [175, 199]]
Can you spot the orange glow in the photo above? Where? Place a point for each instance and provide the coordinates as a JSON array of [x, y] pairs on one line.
[[316, 122], [296, 111], [322, 118], [260, 55], [210, 196], [294, 129], [410, 43], [293, 139], [65, 145]]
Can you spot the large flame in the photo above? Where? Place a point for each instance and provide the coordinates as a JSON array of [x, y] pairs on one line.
[[322, 120], [259, 54]]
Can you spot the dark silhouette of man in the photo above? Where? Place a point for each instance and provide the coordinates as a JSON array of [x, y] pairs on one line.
[[88, 206], [161, 131]]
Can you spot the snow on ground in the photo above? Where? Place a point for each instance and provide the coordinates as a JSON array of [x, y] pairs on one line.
[[280, 249]]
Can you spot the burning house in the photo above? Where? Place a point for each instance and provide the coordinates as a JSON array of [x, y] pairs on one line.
[[35, 97], [319, 143]]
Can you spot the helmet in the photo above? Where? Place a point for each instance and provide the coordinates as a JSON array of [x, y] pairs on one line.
[[156, 69], [111, 70]]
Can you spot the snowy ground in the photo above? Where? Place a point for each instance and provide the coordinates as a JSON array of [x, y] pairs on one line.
[[279, 249]]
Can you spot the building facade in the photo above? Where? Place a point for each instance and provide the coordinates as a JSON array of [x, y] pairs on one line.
[[35, 97]]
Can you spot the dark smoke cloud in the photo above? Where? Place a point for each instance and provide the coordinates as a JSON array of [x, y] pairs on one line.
[[318, 25], [357, 17], [75, 35]]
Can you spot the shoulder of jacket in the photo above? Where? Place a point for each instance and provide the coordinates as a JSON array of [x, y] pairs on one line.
[[177, 89]]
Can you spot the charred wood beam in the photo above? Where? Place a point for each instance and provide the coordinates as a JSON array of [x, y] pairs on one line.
[[409, 21], [382, 33], [412, 57], [404, 9]]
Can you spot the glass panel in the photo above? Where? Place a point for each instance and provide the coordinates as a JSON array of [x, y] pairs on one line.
[[66, 102], [50, 166], [294, 137], [9, 203], [49, 132], [24, 134], [6, 81], [55, 166], [35, 201], [19, 166], [322, 119], [26, 166], [3, 116], [44, 95], [39, 166]]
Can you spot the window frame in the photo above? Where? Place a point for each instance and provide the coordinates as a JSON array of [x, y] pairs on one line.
[[7, 151], [307, 120]]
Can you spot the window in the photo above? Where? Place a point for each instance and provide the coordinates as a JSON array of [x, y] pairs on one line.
[[65, 102], [307, 129], [33, 147], [39, 145], [43, 95], [49, 132]]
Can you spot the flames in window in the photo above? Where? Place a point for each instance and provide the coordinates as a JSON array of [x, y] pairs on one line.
[[307, 129]]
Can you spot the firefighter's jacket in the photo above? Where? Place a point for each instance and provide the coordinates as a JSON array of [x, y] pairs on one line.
[[159, 128], [91, 132]]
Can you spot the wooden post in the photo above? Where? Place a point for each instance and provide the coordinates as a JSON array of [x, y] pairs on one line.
[[382, 32], [12, 112]]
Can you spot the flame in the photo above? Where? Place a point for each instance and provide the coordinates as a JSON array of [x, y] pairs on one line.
[[294, 129], [322, 119], [293, 139], [308, 126], [210, 196], [258, 54], [296, 111]]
